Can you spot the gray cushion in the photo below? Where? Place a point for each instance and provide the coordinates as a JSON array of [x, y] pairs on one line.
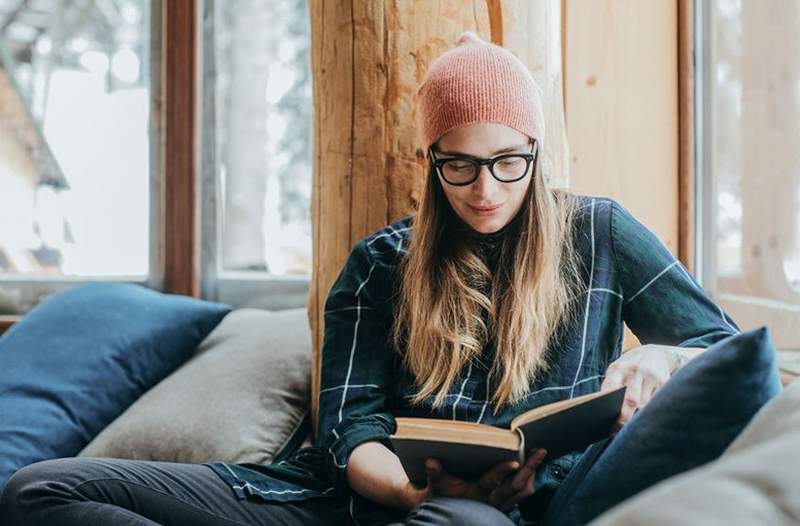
[[240, 398], [756, 480]]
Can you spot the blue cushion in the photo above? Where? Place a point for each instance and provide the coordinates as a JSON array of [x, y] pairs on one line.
[[688, 422], [81, 357]]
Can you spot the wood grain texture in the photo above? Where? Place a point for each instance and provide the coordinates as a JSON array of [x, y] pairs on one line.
[[180, 147], [367, 59], [686, 131], [533, 33], [621, 72]]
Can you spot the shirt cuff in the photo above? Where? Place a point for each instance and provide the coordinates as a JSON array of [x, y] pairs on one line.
[[375, 428]]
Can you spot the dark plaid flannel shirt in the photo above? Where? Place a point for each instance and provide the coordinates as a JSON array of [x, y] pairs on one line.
[[632, 278]]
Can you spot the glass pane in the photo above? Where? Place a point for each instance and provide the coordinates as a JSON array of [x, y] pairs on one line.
[[261, 89], [74, 152], [754, 136]]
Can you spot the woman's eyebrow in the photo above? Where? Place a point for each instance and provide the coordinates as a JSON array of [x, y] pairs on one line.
[[498, 152]]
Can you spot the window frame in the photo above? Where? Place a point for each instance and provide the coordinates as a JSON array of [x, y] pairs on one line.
[[747, 311], [242, 289]]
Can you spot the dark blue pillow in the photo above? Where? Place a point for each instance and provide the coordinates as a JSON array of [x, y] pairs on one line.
[[689, 421], [81, 357]]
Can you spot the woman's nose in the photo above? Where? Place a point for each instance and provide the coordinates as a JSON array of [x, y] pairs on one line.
[[485, 184]]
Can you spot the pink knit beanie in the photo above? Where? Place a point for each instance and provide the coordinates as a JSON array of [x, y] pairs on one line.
[[478, 81]]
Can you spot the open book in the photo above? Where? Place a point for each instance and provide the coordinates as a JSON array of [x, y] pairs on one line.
[[467, 449]]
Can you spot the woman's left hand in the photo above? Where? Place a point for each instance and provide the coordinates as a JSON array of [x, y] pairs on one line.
[[643, 370]]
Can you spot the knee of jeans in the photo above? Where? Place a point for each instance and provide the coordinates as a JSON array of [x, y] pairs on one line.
[[32, 479], [464, 512]]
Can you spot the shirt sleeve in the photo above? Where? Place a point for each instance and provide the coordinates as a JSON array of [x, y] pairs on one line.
[[356, 364], [662, 302]]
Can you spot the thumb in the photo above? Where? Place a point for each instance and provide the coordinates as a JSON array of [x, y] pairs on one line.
[[433, 471]]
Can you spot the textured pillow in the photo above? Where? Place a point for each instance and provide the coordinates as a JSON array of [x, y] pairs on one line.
[[756, 482], [689, 422], [779, 417], [242, 398], [81, 357]]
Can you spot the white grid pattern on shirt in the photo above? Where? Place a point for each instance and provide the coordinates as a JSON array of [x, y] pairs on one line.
[[347, 308], [268, 492], [352, 512], [460, 393], [389, 234], [588, 305], [562, 387], [355, 339], [350, 364], [335, 461], [354, 386], [615, 293], [647, 285]]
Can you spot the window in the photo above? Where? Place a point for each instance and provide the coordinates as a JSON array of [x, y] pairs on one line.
[[257, 143], [81, 183], [749, 177], [74, 146]]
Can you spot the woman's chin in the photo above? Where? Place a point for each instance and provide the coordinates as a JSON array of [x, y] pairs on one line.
[[488, 225]]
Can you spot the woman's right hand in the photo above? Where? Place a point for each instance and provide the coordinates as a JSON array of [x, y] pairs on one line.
[[496, 487]]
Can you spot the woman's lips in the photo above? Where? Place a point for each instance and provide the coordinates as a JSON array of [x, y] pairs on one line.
[[483, 211]]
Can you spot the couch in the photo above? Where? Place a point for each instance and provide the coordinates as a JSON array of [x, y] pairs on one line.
[[142, 375]]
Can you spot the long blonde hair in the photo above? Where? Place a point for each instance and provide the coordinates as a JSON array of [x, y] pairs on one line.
[[439, 326]]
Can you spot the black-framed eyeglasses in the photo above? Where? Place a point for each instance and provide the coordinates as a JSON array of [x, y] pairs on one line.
[[464, 170]]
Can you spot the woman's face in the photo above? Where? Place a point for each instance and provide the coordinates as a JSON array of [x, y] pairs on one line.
[[503, 200]]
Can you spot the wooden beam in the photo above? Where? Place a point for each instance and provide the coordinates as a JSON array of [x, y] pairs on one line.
[[180, 70], [367, 59]]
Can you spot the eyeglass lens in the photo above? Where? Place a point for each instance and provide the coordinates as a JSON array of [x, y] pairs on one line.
[[509, 168]]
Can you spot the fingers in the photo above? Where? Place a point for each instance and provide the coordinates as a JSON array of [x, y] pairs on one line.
[[614, 379], [526, 491], [633, 395], [495, 476], [528, 469], [650, 385], [435, 472], [521, 485]]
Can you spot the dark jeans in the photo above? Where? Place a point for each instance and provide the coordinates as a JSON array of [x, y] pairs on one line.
[[96, 492]]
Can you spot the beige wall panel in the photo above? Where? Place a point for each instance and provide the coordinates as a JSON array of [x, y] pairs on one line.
[[621, 80]]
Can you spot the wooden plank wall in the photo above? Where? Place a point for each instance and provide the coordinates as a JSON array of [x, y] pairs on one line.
[[621, 85], [621, 102]]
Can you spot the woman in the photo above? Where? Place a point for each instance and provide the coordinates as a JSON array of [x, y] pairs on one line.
[[499, 295]]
